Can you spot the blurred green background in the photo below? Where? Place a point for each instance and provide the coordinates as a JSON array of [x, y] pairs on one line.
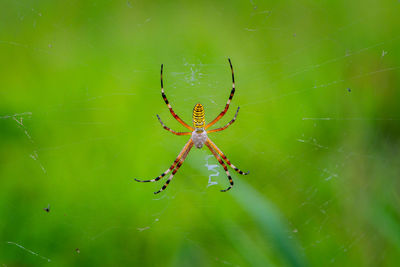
[[319, 131]]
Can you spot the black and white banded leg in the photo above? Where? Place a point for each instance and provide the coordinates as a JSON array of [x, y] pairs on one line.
[[185, 148], [223, 165], [177, 167]]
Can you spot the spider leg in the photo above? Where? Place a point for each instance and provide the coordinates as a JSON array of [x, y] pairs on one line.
[[211, 143], [223, 165], [182, 159], [169, 105], [169, 129], [226, 126], [227, 103], [189, 143]]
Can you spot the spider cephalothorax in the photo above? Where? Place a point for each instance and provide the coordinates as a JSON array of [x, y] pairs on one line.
[[199, 136]]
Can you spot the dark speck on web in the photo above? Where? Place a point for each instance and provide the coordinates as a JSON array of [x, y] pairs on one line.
[[47, 209]]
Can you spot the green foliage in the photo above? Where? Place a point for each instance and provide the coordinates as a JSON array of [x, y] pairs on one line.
[[318, 129]]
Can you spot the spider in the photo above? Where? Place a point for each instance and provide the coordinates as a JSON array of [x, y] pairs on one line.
[[199, 136]]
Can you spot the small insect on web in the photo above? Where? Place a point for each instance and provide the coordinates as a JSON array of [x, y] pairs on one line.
[[199, 136]]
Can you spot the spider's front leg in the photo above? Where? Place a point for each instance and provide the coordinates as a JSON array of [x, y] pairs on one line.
[[214, 146], [223, 165], [185, 153], [188, 145]]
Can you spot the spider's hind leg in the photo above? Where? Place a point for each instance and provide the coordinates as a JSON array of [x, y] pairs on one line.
[[169, 105], [227, 103]]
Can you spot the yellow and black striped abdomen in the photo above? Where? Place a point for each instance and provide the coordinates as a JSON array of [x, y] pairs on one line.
[[198, 116]]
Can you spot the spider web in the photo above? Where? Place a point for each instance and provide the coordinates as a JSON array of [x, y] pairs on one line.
[[318, 130]]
